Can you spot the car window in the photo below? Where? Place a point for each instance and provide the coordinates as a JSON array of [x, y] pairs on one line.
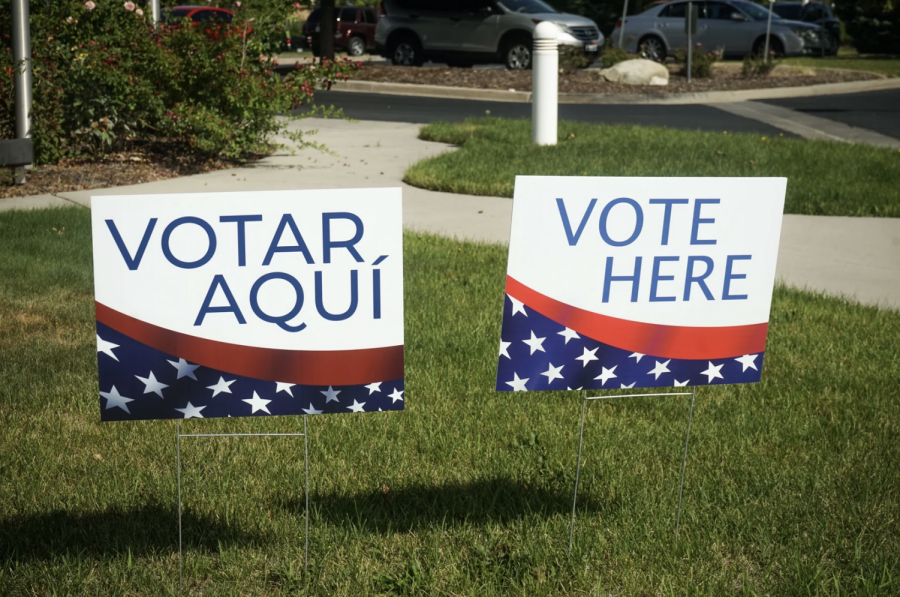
[[368, 16], [674, 11], [787, 11], [813, 14], [752, 10], [427, 5], [347, 15], [527, 6], [313, 16], [717, 10]]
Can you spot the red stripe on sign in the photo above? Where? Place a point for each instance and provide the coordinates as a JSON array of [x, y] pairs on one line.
[[307, 367], [666, 341]]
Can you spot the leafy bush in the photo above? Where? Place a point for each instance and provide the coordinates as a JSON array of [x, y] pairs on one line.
[[612, 56], [754, 67], [874, 25], [572, 59], [104, 79], [701, 61]]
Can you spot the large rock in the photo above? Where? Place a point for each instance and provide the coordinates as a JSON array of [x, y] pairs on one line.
[[637, 72]]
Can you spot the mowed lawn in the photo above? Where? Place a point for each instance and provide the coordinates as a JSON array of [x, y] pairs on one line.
[[824, 178], [793, 485]]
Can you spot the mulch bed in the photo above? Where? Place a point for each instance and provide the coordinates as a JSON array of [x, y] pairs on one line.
[[119, 169], [725, 77]]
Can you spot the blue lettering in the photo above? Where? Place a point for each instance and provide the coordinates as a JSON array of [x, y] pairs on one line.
[[232, 307], [729, 276], [567, 226], [667, 214], [132, 262], [354, 298], [328, 244], [211, 238], [635, 279], [699, 280], [656, 279], [280, 321], [695, 226], [638, 225], [287, 220], [241, 236]]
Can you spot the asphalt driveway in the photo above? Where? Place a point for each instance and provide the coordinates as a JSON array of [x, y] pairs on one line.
[[877, 111]]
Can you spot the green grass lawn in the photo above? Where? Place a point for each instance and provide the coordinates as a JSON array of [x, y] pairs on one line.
[[824, 178], [885, 65], [793, 485]]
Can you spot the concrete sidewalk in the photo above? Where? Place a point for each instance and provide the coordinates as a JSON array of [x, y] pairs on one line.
[[854, 257]]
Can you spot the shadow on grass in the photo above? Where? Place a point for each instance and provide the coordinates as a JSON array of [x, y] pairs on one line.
[[385, 510], [143, 530]]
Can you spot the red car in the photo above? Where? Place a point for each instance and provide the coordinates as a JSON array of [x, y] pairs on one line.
[[198, 14], [354, 30]]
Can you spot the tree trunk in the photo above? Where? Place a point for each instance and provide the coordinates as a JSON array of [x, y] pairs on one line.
[[326, 29]]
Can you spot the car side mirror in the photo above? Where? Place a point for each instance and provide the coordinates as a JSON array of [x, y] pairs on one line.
[[736, 16]]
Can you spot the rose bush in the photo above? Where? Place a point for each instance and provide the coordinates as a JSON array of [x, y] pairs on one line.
[[104, 78]]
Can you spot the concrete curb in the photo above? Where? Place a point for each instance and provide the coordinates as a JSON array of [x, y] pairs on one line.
[[709, 97]]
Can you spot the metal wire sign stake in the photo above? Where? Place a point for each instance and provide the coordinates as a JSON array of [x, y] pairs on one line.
[[687, 437], [179, 435]]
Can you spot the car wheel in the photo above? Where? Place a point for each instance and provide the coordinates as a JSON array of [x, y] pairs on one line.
[[517, 54], [356, 46], [776, 48], [406, 51], [652, 48]]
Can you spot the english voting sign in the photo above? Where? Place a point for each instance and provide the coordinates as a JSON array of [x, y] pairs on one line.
[[249, 304], [638, 282]]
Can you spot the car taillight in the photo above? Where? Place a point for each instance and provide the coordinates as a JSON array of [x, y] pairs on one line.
[[382, 11], [618, 23]]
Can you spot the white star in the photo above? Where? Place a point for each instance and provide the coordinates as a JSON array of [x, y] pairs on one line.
[[106, 347], [330, 394], [606, 374], [151, 385], [397, 395], [284, 387], [535, 343], [681, 384], [713, 372], [588, 356], [518, 385], [374, 387], [311, 410], [503, 347], [517, 306], [570, 389], [113, 398], [191, 411], [553, 373], [624, 387], [748, 360], [257, 403], [221, 386], [185, 369], [357, 407], [660, 369], [568, 334], [637, 356]]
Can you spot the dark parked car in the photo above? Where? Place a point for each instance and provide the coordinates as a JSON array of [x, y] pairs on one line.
[[812, 12], [354, 30], [198, 14]]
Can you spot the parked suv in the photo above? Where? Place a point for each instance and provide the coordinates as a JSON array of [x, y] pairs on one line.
[[463, 32], [737, 27], [812, 12], [354, 30]]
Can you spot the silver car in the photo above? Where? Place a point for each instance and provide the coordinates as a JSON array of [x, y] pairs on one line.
[[737, 27], [463, 32]]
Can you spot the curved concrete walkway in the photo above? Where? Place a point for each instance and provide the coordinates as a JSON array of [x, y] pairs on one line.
[[854, 257]]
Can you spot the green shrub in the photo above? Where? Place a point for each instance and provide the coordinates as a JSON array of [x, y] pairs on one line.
[[701, 61], [612, 56], [572, 59], [754, 67], [104, 79], [873, 25]]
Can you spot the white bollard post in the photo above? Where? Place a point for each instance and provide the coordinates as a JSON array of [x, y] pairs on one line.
[[544, 84]]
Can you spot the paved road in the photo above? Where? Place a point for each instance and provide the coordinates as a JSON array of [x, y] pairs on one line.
[[877, 111], [399, 108]]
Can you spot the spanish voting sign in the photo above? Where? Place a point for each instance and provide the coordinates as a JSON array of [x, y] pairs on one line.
[[249, 304], [638, 282]]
